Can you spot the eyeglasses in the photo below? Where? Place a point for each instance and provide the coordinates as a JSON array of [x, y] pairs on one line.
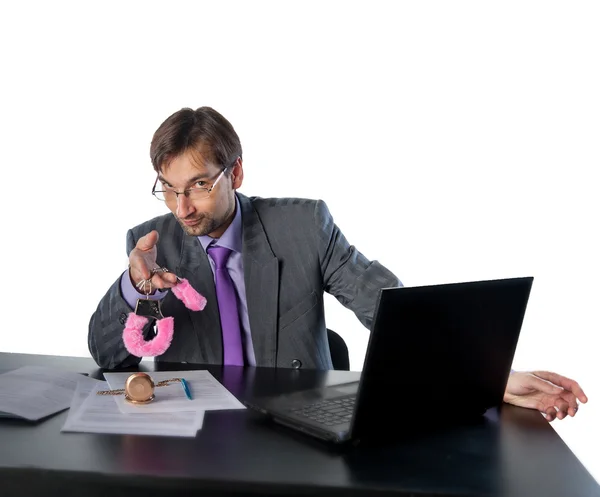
[[167, 194]]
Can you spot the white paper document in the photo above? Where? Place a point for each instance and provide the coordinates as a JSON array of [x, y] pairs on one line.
[[207, 393], [34, 392], [93, 413]]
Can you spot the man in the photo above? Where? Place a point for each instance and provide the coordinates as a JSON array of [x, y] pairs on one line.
[[270, 259]]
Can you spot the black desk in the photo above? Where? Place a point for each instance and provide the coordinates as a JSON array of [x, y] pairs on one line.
[[237, 453]]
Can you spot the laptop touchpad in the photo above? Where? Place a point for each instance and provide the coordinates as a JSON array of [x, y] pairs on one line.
[[345, 389]]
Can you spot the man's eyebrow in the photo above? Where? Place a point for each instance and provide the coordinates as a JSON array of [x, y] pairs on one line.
[[194, 179]]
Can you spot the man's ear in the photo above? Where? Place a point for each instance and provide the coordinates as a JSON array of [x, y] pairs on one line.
[[237, 174]]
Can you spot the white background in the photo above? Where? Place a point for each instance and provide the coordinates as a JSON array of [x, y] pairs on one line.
[[451, 141]]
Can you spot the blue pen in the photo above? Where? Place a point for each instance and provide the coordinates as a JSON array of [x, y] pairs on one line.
[[186, 388]]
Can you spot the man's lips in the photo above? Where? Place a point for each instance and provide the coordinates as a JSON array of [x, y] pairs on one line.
[[190, 222]]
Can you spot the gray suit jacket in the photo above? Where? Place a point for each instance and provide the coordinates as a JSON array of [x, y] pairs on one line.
[[292, 253]]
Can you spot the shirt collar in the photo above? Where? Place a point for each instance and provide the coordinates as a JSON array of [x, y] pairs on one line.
[[232, 237]]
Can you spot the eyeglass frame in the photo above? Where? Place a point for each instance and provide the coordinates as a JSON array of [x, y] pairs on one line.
[[185, 193]]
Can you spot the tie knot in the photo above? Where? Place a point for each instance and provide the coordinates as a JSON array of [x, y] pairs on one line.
[[219, 255]]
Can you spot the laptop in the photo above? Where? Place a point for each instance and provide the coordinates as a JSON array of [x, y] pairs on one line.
[[437, 355]]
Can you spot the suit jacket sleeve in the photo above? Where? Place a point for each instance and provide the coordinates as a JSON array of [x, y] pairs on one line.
[[347, 274], [105, 334]]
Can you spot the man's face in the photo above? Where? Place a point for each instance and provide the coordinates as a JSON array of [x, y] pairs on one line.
[[204, 216]]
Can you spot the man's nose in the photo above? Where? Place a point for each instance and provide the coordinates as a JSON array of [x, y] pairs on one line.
[[184, 206]]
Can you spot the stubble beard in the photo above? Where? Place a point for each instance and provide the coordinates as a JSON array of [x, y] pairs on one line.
[[206, 224]]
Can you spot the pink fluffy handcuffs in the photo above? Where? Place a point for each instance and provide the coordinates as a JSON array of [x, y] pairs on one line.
[[146, 309]]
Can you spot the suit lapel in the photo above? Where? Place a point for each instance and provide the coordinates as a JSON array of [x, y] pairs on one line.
[[195, 267], [261, 278]]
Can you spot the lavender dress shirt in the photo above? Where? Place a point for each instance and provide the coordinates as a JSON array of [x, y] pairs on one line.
[[232, 239]]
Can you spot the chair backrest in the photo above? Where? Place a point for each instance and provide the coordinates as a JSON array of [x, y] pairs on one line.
[[339, 351]]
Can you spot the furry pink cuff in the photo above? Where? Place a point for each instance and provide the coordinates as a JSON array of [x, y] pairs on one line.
[[133, 336], [134, 339], [190, 297]]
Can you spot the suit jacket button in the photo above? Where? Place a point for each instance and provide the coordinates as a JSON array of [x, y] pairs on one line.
[[122, 318], [296, 364]]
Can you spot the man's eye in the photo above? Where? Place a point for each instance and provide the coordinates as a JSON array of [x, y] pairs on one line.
[[200, 184]]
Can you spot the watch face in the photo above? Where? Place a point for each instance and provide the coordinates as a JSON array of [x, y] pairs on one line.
[[149, 308], [139, 388]]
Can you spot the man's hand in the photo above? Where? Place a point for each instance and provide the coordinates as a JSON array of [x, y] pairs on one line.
[[142, 260], [555, 396]]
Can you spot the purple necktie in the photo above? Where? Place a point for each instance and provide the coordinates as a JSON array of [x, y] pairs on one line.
[[233, 353]]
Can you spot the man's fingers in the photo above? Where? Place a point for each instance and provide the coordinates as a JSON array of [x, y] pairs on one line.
[[550, 414], [148, 241], [571, 400], [138, 268], [164, 280], [143, 265], [563, 408], [139, 273], [542, 385], [564, 382]]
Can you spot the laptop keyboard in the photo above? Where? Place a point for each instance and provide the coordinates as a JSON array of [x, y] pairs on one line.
[[329, 412]]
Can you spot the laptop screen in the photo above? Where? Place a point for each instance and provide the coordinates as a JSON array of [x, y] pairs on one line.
[[440, 350]]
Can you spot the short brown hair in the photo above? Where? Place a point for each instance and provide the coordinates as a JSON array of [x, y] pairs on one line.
[[188, 128]]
